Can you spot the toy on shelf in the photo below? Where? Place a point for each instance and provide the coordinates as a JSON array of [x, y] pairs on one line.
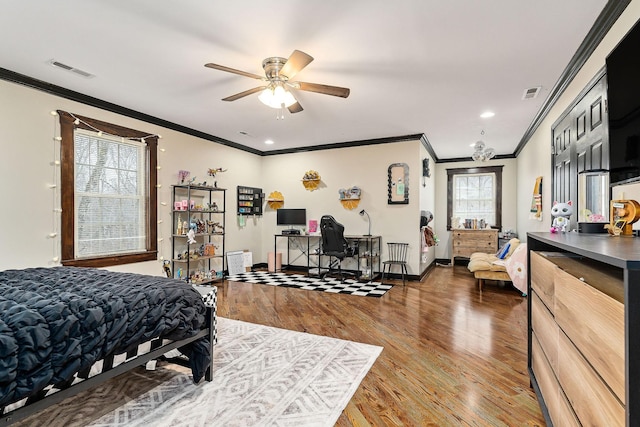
[[213, 171], [311, 180], [183, 176], [191, 234], [622, 214], [350, 198], [561, 213]]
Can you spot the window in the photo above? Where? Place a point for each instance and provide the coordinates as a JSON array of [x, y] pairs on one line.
[[108, 192], [475, 193]]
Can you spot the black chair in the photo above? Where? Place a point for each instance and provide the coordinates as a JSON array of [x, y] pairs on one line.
[[397, 256], [334, 244]]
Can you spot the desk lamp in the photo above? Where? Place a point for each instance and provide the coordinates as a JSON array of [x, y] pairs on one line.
[[363, 213]]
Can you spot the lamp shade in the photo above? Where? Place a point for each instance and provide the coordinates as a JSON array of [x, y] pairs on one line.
[[275, 96], [363, 213]]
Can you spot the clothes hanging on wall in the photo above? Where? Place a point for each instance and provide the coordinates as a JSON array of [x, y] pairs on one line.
[[427, 239], [428, 236]]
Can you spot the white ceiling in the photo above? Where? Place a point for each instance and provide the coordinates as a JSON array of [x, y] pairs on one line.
[[413, 66]]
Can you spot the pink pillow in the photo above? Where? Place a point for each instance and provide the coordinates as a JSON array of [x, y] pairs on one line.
[[517, 268]]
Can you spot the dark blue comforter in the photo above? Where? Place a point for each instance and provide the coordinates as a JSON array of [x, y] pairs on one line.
[[57, 321]]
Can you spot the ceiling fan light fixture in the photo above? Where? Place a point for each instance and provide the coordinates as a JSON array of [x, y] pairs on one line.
[[275, 96]]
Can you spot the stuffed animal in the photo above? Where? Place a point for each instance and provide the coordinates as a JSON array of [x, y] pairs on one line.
[[561, 213]]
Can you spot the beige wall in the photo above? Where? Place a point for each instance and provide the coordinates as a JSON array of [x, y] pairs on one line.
[[509, 180], [535, 158], [27, 131], [365, 167]]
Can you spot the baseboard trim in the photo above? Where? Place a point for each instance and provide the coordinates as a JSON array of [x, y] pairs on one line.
[[396, 276]]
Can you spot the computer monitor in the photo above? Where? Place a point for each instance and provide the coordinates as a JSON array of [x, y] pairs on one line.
[[291, 217]]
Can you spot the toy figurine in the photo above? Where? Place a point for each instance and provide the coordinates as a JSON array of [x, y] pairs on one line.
[[191, 234], [214, 171], [561, 213], [166, 266], [179, 230]]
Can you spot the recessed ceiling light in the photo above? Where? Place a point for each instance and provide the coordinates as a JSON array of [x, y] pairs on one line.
[[269, 141], [487, 114]]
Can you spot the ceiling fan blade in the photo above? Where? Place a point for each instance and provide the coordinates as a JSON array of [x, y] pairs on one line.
[[243, 94], [296, 62], [342, 92], [233, 70], [295, 108]]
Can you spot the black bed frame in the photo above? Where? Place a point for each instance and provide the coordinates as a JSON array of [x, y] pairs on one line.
[[38, 405]]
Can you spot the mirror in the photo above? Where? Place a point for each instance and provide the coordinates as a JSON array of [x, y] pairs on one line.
[[593, 196], [398, 184]]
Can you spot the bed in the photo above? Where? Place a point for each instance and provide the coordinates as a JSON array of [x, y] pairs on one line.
[[66, 329]]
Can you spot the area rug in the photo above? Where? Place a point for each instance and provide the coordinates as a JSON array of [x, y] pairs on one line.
[[328, 284], [263, 376]]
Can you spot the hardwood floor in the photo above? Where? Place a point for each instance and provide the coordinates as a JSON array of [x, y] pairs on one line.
[[452, 356]]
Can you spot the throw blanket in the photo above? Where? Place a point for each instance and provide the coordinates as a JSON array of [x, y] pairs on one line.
[[516, 266], [57, 321]]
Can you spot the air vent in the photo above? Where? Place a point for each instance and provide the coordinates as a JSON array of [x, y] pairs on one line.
[[70, 69], [531, 93]]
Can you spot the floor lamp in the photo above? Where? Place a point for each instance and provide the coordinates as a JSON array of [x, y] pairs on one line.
[[363, 213]]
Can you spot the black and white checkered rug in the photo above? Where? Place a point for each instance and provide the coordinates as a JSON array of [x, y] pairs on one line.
[[328, 284]]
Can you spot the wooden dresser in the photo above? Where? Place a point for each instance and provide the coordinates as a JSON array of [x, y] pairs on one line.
[[464, 242], [579, 288]]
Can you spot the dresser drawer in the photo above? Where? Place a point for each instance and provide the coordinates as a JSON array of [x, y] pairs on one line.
[[591, 399], [594, 322], [542, 276], [545, 377], [546, 329], [490, 236], [565, 415], [555, 400]]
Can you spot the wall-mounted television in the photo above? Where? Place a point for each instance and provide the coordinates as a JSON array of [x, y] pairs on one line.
[[291, 217], [623, 93]]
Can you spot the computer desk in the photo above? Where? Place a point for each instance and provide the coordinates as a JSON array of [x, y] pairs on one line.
[[309, 245]]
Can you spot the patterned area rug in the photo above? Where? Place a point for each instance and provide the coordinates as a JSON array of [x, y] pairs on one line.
[[263, 376], [328, 284]]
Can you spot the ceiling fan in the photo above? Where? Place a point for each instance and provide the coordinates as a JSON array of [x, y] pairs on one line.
[[278, 74]]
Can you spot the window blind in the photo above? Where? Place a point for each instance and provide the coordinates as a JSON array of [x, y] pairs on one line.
[[109, 196]]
